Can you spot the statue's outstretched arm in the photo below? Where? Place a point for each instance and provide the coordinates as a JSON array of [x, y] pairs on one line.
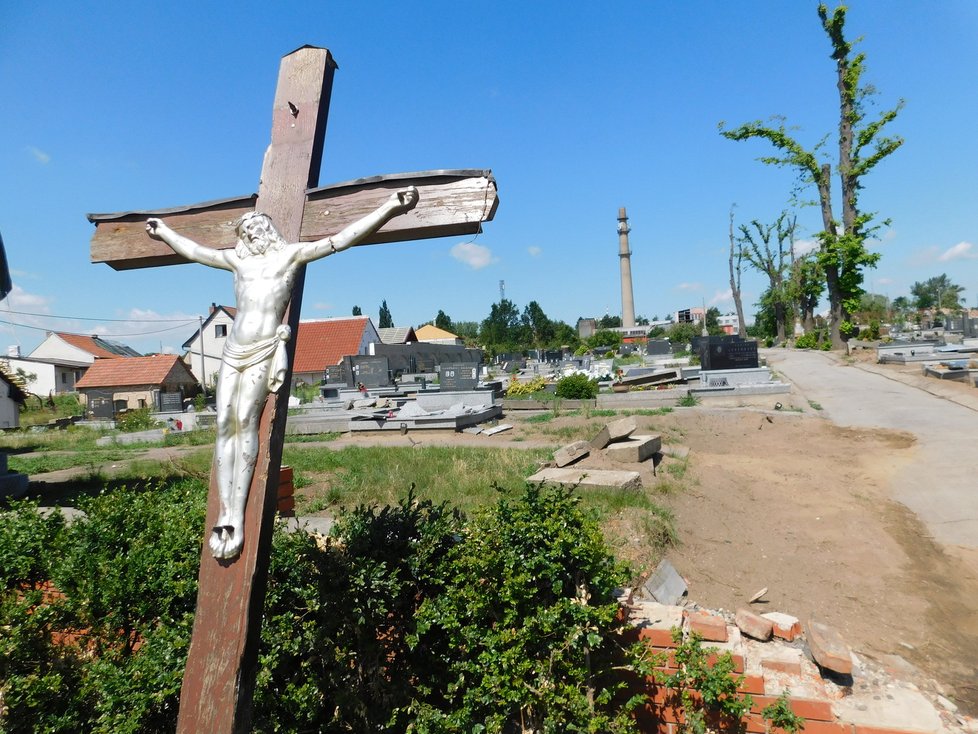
[[185, 246], [398, 203]]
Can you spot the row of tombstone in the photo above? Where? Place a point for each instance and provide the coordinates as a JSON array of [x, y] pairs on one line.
[[375, 372]]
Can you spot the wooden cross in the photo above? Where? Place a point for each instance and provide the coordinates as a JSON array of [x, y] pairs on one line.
[[222, 663]]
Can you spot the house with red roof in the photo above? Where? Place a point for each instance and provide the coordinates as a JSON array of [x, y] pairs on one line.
[[324, 343], [61, 359], [160, 382], [202, 351]]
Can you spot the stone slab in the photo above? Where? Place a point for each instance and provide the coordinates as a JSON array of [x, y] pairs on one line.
[[497, 429], [735, 377], [588, 478], [571, 452], [665, 585], [615, 431], [634, 449], [13, 485]]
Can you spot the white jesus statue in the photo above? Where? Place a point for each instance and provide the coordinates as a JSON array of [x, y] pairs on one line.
[[254, 362]]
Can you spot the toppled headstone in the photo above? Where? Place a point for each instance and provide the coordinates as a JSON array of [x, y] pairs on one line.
[[754, 625], [634, 449], [666, 586], [588, 478], [571, 453], [828, 648], [615, 431], [498, 429]]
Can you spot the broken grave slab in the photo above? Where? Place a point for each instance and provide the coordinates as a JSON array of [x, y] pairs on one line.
[[571, 453], [666, 586], [588, 478], [634, 449], [614, 431]]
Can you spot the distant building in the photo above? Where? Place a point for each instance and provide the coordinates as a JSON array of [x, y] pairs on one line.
[[323, 343], [160, 382], [729, 323], [61, 360], [586, 328], [202, 351], [434, 335], [690, 316]]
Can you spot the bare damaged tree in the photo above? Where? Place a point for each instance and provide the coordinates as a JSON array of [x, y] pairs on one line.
[[736, 258], [773, 260], [842, 252]]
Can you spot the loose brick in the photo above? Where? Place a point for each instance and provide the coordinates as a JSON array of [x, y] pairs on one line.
[[781, 659], [828, 648], [754, 625], [808, 708], [709, 626], [785, 626]]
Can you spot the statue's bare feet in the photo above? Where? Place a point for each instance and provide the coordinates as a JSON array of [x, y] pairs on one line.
[[226, 541]]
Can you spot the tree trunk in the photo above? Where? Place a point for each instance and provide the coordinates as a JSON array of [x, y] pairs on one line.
[[735, 282]]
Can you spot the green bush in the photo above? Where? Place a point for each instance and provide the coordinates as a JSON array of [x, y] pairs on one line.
[[528, 619], [577, 387], [523, 389], [411, 620], [137, 419]]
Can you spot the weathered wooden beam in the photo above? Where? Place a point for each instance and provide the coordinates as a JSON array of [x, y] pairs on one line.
[[452, 203]]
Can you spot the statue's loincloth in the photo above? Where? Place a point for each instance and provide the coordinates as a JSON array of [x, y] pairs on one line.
[[272, 350]]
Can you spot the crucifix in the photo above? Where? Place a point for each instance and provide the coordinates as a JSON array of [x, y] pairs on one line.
[[220, 675]]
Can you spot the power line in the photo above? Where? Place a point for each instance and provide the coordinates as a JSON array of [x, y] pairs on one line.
[[89, 318], [113, 336]]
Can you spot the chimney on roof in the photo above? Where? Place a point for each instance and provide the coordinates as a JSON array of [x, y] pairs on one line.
[[213, 307], [13, 350]]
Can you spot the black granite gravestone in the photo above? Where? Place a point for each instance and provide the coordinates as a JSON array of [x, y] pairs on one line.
[[458, 377], [726, 352]]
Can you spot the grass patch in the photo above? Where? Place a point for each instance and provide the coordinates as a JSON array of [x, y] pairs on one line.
[[49, 462], [312, 437], [814, 406], [380, 475], [688, 401], [540, 418], [665, 410]]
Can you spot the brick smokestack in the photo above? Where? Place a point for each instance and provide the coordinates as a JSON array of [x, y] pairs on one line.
[[625, 257]]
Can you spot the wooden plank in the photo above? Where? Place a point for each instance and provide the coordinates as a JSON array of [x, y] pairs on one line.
[[452, 203], [219, 679]]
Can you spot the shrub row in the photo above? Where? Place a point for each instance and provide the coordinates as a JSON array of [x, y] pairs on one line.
[[413, 618]]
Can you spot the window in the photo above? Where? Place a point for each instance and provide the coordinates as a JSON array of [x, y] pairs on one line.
[[220, 330], [64, 378]]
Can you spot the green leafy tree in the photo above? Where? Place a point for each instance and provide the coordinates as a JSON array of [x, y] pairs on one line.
[[386, 321], [843, 254], [564, 335], [499, 331], [442, 321], [609, 322], [604, 338], [357, 311], [681, 334], [539, 326], [937, 292]]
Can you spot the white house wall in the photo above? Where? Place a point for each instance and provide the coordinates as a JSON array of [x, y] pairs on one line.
[[213, 347], [55, 349]]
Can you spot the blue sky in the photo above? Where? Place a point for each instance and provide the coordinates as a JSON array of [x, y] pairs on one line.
[[577, 109]]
